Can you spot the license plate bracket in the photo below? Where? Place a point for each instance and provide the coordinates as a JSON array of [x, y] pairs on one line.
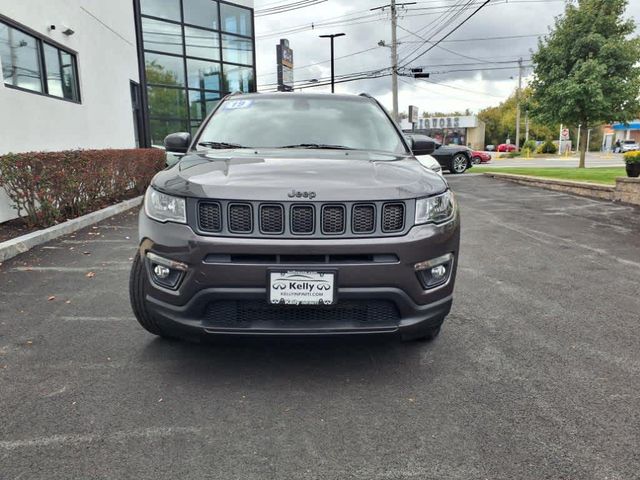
[[302, 287]]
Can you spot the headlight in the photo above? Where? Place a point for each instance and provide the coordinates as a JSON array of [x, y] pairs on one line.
[[164, 208], [436, 209]]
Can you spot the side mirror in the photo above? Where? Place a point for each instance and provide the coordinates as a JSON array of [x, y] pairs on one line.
[[177, 142], [423, 147]]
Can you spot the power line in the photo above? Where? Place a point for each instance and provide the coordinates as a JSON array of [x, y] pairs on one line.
[[448, 34], [456, 88], [287, 8], [481, 39]]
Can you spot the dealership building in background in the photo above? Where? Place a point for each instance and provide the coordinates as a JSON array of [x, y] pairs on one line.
[[117, 73], [466, 130]]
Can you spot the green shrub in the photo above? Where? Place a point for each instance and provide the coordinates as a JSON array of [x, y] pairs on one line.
[[513, 154], [632, 157], [548, 147], [50, 187], [530, 145], [527, 152]]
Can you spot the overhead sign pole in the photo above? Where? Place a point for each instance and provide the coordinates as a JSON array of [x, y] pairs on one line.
[[285, 66]]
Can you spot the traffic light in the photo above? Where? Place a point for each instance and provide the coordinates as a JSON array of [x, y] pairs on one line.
[[419, 73]]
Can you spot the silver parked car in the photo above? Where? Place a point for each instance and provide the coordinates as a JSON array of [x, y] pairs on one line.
[[630, 146]]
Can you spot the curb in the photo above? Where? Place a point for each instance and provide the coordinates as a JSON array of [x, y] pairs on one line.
[[583, 189], [625, 191], [16, 246]]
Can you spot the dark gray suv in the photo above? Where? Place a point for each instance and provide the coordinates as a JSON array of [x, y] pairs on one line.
[[296, 214]]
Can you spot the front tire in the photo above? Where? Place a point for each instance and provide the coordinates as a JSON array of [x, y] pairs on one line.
[[459, 164], [138, 283], [476, 161]]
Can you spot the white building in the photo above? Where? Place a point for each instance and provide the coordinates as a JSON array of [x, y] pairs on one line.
[[466, 130], [117, 73]]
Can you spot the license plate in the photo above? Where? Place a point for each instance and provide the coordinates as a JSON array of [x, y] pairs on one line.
[[302, 288]]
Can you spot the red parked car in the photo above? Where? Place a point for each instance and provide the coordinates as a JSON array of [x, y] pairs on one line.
[[507, 147], [478, 157]]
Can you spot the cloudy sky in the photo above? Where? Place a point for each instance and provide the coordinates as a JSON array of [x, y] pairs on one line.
[[470, 69]]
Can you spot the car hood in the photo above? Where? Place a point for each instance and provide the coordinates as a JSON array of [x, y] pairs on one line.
[[273, 175]]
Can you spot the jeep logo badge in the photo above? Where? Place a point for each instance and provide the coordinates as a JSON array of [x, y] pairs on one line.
[[296, 194]]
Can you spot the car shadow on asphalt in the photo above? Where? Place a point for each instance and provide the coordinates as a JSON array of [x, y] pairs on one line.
[[270, 359]]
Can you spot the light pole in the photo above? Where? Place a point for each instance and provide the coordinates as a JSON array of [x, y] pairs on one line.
[[332, 36]]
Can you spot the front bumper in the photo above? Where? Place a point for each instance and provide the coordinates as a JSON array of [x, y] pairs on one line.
[[230, 297]]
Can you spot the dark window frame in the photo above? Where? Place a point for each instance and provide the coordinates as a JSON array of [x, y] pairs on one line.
[[139, 16], [41, 40]]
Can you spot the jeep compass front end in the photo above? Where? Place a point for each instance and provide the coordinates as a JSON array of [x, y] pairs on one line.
[[296, 214]]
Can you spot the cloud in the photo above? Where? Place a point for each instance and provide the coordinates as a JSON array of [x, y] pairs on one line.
[[456, 81]]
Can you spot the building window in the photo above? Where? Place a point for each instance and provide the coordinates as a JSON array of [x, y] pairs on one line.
[[202, 43], [239, 79], [237, 50], [236, 20], [162, 36], [202, 13], [31, 63], [194, 53], [167, 9]]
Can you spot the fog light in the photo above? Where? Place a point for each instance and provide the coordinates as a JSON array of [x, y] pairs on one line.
[[161, 271], [165, 272], [435, 272], [438, 273]]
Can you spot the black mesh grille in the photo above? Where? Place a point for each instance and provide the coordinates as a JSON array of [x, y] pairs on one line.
[[209, 217], [271, 219], [302, 221], [240, 218], [292, 219], [333, 219], [364, 219], [392, 217], [254, 313]]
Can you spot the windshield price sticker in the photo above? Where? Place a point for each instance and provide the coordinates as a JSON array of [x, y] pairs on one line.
[[237, 104]]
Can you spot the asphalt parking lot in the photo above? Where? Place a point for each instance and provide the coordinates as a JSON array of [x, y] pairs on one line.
[[536, 374]]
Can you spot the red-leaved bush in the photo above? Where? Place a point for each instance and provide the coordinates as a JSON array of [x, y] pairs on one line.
[[50, 187]]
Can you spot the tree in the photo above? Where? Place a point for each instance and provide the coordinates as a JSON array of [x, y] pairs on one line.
[[500, 121], [585, 69]]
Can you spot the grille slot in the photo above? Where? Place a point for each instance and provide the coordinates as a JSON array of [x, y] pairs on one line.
[[209, 217], [240, 218], [271, 219], [363, 219], [257, 314], [392, 217], [333, 221], [302, 219]]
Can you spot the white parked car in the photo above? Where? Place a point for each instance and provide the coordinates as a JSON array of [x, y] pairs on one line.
[[431, 163], [630, 146]]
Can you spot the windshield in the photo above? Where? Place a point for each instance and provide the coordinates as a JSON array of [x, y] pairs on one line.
[[308, 122]]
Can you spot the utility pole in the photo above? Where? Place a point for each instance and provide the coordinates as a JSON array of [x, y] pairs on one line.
[[394, 59], [518, 104], [333, 77], [560, 140], [526, 125], [393, 6]]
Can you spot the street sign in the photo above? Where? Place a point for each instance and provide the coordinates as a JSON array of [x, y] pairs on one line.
[[285, 66], [413, 114]]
